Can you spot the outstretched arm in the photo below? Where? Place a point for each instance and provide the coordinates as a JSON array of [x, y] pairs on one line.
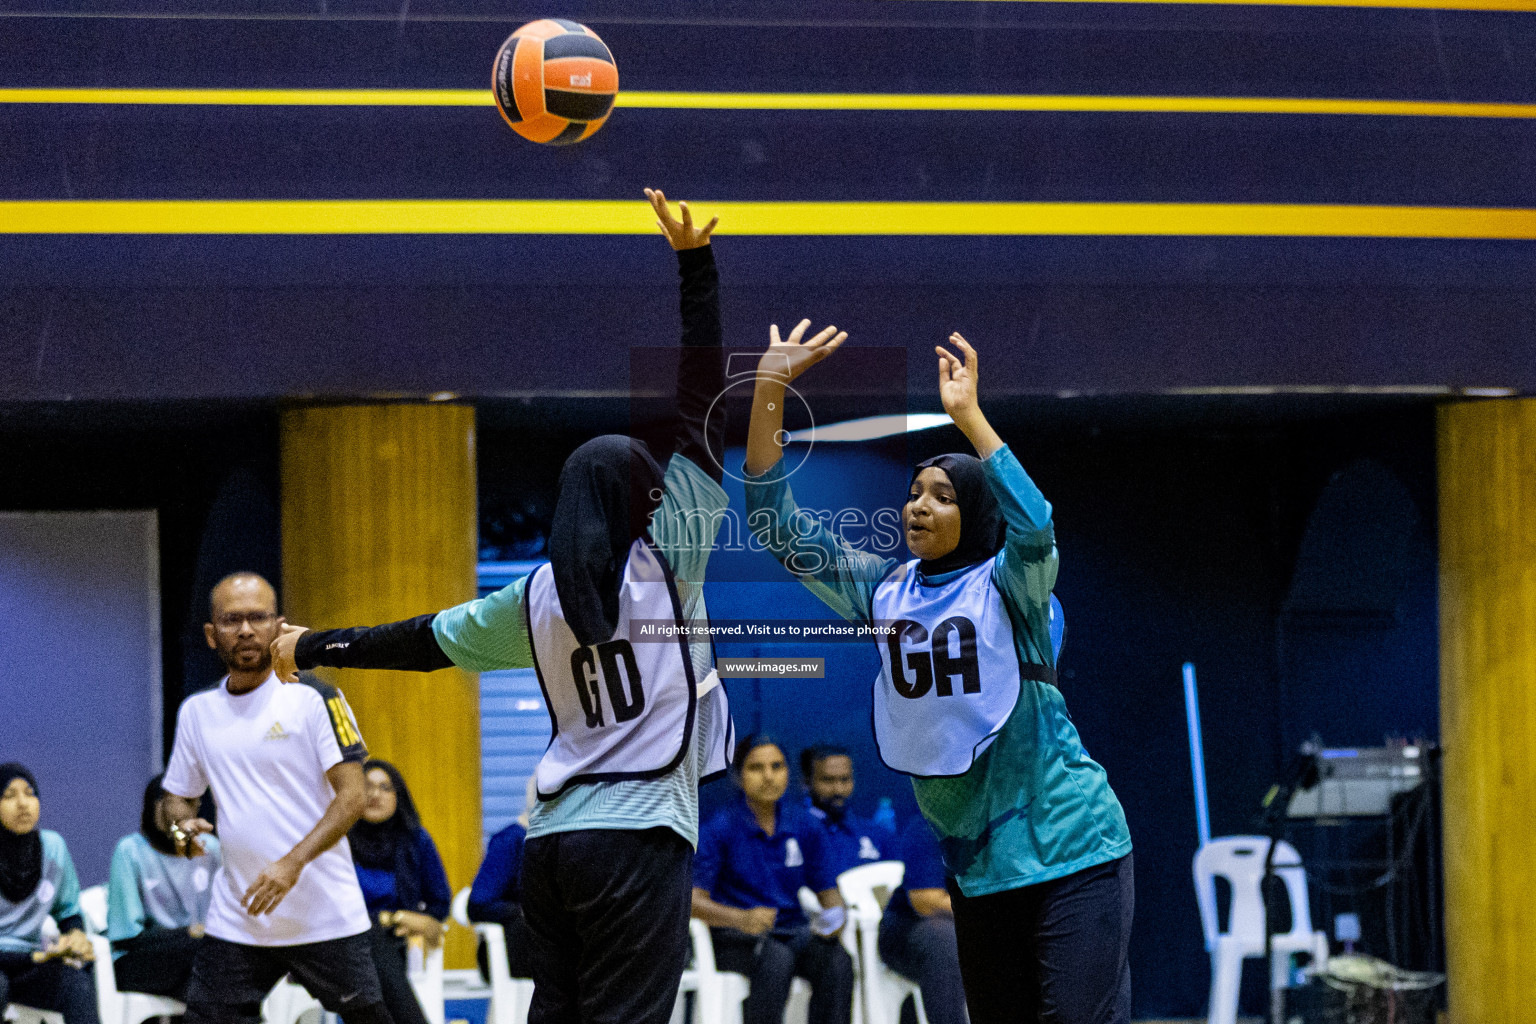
[[783, 362], [408, 646], [701, 367], [482, 635], [1027, 570], [839, 574]]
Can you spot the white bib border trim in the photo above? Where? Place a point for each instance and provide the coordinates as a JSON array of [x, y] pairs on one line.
[[985, 742], [693, 695]]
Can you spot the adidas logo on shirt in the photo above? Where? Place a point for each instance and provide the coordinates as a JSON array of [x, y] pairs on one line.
[[276, 732]]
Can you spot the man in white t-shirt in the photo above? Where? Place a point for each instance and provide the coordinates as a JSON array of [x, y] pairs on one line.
[[285, 767]]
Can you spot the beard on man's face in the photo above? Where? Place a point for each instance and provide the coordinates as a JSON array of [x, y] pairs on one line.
[[246, 656]]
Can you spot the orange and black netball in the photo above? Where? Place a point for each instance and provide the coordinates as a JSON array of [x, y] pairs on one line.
[[554, 81]]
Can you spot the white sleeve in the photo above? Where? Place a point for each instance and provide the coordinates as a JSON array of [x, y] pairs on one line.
[[184, 775]]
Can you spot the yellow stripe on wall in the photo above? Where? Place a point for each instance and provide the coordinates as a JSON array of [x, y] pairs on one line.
[[621, 217], [786, 101]]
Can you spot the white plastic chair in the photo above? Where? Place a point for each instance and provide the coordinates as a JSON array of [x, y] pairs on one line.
[[1240, 860], [510, 997], [114, 1006], [424, 968], [719, 994], [866, 889], [290, 1003]]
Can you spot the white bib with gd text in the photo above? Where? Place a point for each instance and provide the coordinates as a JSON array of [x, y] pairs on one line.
[[618, 710]]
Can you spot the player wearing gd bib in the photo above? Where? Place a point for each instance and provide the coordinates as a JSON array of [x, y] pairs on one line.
[[1035, 843], [607, 873]]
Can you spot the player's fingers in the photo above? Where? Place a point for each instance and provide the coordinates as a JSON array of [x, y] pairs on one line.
[[965, 347], [687, 216], [799, 332], [821, 337], [709, 228], [773, 335], [831, 346], [659, 204]]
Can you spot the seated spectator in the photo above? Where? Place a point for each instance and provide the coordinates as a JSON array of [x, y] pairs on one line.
[[38, 881], [157, 903], [753, 857], [827, 771], [917, 933], [496, 896], [403, 884]]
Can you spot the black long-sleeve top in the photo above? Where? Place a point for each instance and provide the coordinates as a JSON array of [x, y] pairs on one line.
[[410, 645]]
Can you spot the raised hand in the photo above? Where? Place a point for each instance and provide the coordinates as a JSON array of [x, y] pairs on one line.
[[681, 233], [957, 390], [785, 359], [957, 378], [788, 358], [285, 653]]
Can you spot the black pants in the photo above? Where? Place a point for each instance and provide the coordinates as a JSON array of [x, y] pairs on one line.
[[230, 980], [773, 961], [158, 962], [924, 949], [389, 959], [607, 911], [1056, 953], [519, 947], [53, 985]]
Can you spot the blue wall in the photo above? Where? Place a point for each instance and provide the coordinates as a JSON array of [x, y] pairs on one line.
[[80, 645]]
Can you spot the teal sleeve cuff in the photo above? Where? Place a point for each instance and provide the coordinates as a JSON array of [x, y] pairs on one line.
[[1022, 503], [489, 633]]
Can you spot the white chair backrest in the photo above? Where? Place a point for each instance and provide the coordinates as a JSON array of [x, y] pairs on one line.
[[460, 908], [1240, 860], [93, 908], [703, 946], [867, 888]]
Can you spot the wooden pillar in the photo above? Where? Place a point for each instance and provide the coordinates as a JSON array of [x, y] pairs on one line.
[[379, 523], [1487, 483]]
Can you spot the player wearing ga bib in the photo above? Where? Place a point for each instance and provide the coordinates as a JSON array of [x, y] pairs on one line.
[[635, 725], [1015, 799], [1033, 838]]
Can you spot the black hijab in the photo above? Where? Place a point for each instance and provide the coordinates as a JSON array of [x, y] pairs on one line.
[[982, 527], [390, 845], [608, 489], [21, 856], [148, 827]]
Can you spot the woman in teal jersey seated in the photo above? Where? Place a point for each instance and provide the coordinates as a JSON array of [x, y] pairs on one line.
[[38, 881], [1035, 844], [157, 903]]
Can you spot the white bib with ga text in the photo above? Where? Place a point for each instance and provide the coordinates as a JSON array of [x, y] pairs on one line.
[[949, 674]]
